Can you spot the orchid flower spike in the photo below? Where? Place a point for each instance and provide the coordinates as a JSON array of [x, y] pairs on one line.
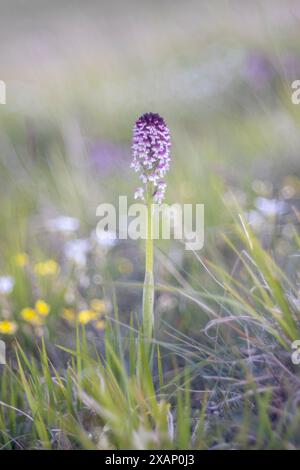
[[151, 154]]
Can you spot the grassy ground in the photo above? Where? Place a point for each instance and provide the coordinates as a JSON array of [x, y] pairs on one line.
[[77, 373]]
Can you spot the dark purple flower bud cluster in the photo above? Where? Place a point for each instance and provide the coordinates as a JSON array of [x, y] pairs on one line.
[[151, 154]]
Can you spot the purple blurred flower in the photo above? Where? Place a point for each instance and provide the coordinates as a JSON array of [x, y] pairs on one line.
[[258, 70], [151, 153], [108, 156]]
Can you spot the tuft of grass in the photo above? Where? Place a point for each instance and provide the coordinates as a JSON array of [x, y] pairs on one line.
[[231, 386]]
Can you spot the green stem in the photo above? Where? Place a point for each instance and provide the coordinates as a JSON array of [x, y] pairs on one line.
[[148, 291], [149, 240]]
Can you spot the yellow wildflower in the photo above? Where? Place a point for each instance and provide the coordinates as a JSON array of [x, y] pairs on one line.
[[29, 314], [42, 307], [69, 315], [8, 327], [85, 316], [21, 259], [46, 268], [100, 325], [98, 305], [124, 266]]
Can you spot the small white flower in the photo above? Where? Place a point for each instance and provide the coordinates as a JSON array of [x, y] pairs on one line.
[[255, 219], [139, 194], [106, 237], [63, 224], [6, 284], [77, 250], [270, 207]]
